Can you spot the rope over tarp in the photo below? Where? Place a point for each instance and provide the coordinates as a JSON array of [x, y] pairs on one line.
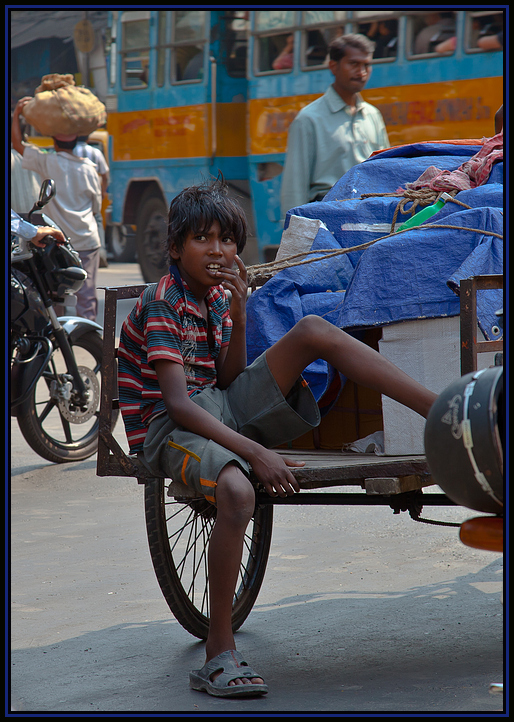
[[418, 197], [260, 273]]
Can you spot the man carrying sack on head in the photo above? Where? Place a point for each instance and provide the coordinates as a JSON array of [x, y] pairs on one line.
[[79, 195]]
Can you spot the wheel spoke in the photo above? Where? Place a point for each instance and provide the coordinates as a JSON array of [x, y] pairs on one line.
[[194, 569], [205, 596], [67, 429], [244, 574], [197, 563], [194, 536], [49, 405], [181, 530], [63, 440], [192, 562]]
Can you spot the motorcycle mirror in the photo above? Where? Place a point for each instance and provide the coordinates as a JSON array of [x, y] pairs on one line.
[[46, 194]]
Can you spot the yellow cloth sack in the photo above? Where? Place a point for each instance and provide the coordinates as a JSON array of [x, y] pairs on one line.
[[59, 107]]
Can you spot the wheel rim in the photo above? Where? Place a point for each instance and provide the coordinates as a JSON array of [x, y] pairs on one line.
[[63, 425], [118, 242], [154, 237], [81, 414], [151, 238]]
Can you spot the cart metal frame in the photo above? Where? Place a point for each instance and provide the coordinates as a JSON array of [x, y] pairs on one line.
[[179, 522]]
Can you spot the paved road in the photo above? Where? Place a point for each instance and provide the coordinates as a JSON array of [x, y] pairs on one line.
[[360, 611]]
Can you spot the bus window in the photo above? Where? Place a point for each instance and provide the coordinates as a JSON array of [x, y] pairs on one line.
[[135, 48], [484, 30], [274, 48], [429, 30], [188, 45], [384, 33], [315, 40]]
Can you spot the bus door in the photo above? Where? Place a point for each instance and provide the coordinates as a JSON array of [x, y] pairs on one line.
[[288, 69]]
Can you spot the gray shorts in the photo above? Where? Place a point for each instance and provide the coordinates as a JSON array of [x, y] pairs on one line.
[[253, 405]]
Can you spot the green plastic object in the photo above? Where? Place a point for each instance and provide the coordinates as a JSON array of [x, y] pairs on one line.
[[423, 215]]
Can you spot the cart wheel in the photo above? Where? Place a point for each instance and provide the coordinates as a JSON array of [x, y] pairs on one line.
[[178, 535]]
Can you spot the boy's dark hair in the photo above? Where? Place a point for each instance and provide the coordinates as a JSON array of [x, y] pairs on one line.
[[337, 48], [195, 209]]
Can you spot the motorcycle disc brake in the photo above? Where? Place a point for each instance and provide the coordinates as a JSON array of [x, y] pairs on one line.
[[77, 414]]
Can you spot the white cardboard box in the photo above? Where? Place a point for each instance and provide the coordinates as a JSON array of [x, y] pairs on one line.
[[429, 351]]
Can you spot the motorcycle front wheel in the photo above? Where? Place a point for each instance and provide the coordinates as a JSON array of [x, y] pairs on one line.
[[52, 425]]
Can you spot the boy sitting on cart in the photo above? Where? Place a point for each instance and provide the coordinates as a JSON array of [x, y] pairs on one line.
[[197, 413]]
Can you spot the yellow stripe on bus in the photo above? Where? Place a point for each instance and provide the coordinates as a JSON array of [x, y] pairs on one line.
[[183, 132], [429, 111]]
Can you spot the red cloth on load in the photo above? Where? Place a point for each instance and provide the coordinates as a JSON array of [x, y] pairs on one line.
[[474, 172]]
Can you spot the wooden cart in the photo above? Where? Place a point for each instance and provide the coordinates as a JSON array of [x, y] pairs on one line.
[[179, 523]]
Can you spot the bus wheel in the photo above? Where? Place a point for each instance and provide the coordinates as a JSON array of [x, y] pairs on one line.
[[122, 244], [151, 236]]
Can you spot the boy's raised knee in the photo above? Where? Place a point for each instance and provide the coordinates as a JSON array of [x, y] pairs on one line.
[[310, 328]]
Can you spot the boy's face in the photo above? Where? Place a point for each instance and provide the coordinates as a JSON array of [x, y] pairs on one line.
[[203, 256]]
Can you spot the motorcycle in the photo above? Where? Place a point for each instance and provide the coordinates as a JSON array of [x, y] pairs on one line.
[[55, 361]]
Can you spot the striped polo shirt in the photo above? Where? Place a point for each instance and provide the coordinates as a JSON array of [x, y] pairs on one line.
[[166, 323]]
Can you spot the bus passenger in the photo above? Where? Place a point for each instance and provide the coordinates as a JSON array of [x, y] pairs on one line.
[[284, 60], [447, 46], [335, 132], [491, 42], [439, 27], [197, 413], [490, 36], [384, 35]]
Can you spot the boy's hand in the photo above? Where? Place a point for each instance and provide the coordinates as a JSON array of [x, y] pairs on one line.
[[271, 469], [235, 280]]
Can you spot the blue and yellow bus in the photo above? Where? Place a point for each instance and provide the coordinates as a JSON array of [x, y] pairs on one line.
[[195, 92]]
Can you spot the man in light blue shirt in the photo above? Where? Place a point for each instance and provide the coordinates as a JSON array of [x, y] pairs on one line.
[[335, 132]]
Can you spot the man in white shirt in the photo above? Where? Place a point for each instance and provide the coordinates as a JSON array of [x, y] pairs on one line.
[[24, 185], [73, 208], [335, 132], [84, 150]]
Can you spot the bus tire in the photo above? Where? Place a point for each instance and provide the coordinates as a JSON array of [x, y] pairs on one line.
[[151, 234], [122, 245]]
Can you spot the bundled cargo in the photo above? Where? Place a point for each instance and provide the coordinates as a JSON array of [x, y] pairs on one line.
[[59, 107], [404, 286]]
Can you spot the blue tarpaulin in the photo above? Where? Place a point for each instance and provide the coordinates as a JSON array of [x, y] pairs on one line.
[[411, 275]]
